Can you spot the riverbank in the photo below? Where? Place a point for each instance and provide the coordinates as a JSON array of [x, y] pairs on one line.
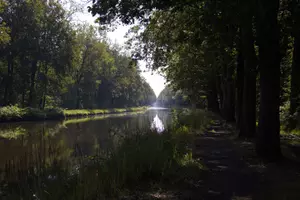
[[85, 112], [15, 114]]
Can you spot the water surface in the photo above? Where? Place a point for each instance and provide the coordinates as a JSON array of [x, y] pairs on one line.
[[39, 145]]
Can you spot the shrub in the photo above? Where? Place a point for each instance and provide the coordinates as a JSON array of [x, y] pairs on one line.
[[14, 113], [11, 113]]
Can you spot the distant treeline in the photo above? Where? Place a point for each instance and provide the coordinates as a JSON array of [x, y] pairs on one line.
[[168, 97], [46, 61]]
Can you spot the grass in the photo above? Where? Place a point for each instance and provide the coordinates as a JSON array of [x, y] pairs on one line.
[[85, 112], [14, 113], [75, 120]]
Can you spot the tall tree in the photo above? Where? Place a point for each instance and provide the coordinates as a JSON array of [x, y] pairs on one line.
[[206, 27], [46, 61], [248, 112], [268, 139]]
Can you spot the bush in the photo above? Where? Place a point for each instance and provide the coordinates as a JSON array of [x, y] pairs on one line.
[[11, 113], [14, 113], [290, 124]]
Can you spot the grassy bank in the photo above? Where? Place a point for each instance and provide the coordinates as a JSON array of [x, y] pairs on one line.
[[85, 113], [14, 113]]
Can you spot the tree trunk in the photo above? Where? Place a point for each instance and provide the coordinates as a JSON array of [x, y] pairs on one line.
[[78, 103], [248, 118], [295, 80], [45, 95], [228, 95], [9, 80], [78, 98], [23, 98], [239, 87], [23, 92], [268, 138], [220, 95], [212, 97], [43, 98], [31, 100]]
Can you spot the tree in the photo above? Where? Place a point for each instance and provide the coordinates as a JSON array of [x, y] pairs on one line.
[[200, 53], [248, 105], [4, 30], [268, 139], [49, 62], [294, 7]]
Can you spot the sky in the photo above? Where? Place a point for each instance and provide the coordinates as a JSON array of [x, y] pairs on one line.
[[156, 81]]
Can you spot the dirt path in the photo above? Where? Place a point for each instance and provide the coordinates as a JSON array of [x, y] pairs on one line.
[[227, 176], [233, 171]]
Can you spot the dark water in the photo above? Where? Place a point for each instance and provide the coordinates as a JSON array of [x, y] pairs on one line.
[[31, 146]]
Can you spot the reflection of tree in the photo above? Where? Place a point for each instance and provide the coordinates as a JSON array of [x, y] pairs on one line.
[[38, 148], [52, 151], [85, 138], [12, 133], [41, 146], [15, 130]]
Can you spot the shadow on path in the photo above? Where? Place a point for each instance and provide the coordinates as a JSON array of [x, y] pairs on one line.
[[233, 171]]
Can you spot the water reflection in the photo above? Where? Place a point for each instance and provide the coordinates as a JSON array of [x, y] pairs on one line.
[[28, 149], [157, 125]]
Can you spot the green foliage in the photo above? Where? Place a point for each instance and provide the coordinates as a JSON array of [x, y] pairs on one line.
[[11, 113], [195, 120], [4, 30], [212, 49], [51, 63], [14, 113], [195, 54], [170, 98]]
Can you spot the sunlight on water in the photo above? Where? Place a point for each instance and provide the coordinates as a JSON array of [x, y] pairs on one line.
[[157, 125], [157, 108]]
